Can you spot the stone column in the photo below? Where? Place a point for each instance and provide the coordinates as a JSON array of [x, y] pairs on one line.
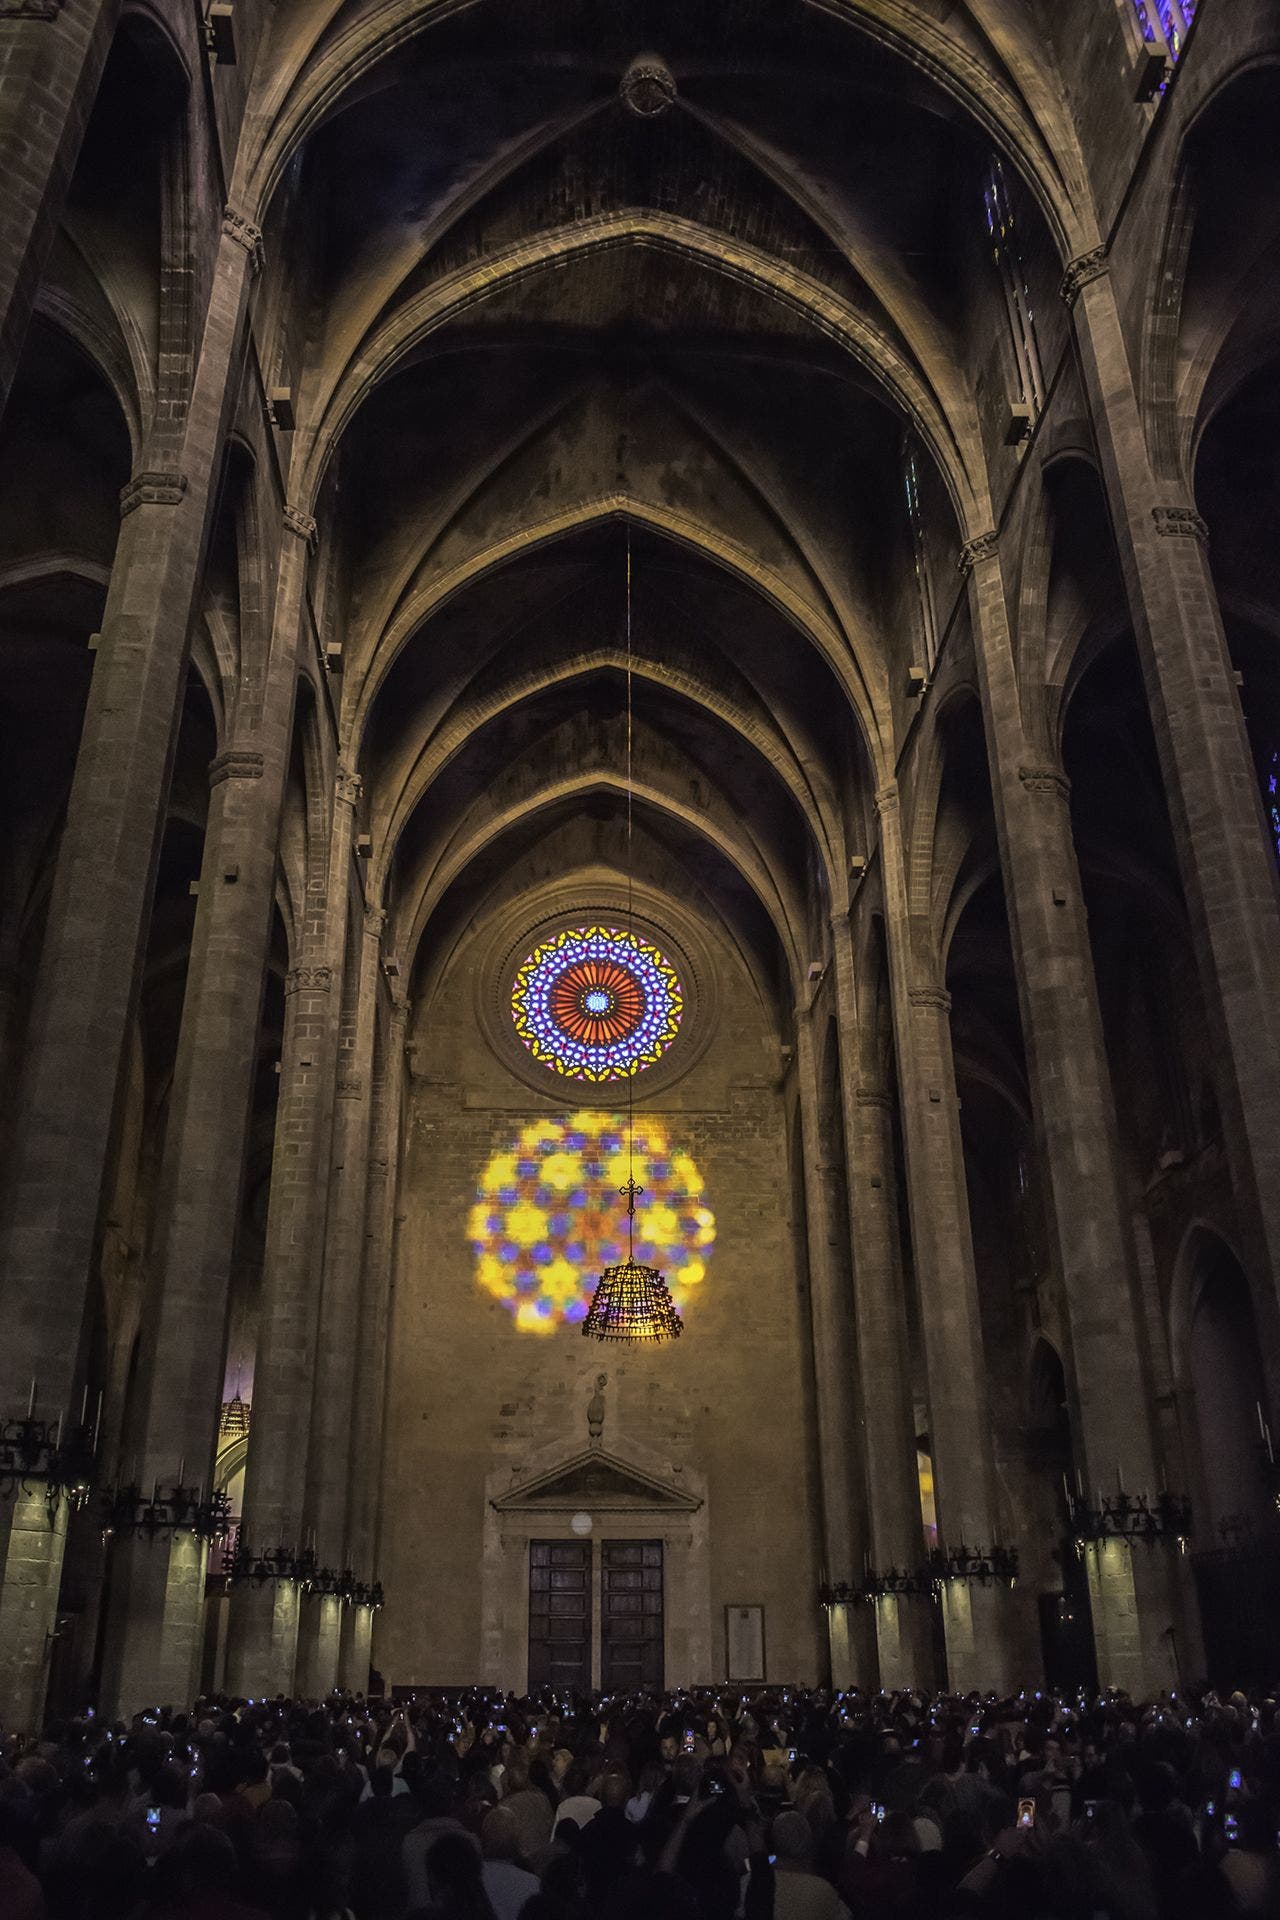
[[1077, 1138], [887, 1433], [1224, 853], [978, 1620], [198, 1202], [834, 1370], [329, 1461], [100, 901], [33, 1538], [54, 55], [262, 1636], [371, 1359]]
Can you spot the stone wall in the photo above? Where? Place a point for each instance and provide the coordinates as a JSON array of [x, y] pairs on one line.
[[470, 1394]]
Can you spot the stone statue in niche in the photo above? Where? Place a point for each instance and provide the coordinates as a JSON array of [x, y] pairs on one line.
[[595, 1410]]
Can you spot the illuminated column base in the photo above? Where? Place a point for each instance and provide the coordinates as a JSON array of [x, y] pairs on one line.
[[851, 1645], [904, 1643], [1133, 1604], [978, 1624], [319, 1633], [213, 1664], [840, 1643], [32, 1543], [155, 1624], [262, 1639], [355, 1645]]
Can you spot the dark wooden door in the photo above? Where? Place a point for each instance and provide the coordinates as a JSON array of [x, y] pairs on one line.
[[630, 1615], [559, 1614]]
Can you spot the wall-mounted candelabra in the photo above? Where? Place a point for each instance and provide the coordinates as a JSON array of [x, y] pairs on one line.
[[36, 1452], [982, 1566], [993, 1566], [168, 1510], [345, 1587], [276, 1563], [1127, 1517], [284, 1563]]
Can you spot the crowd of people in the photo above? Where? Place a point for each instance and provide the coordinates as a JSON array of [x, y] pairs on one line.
[[784, 1805]]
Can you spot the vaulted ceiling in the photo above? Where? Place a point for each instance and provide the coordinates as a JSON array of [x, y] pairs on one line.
[[658, 286]]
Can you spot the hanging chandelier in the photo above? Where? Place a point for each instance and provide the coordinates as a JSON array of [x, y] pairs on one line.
[[631, 1301]]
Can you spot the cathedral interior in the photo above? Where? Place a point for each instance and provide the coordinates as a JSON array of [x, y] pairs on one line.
[[661, 606]]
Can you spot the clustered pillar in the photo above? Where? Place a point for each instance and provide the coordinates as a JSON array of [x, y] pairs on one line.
[[97, 918], [834, 1379], [1227, 874]]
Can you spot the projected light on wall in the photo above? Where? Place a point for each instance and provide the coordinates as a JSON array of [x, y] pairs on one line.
[[596, 1003], [548, 1216]]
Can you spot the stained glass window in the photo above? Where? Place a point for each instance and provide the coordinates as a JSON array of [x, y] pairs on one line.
[[1272, 779], [597, 1003], [1007, 252], [1166, 19], [548, 1215]]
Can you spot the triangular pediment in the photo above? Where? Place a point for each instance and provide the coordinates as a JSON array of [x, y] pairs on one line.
[[597, 1480]]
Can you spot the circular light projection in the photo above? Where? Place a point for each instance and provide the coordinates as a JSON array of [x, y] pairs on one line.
[[548, 1216], [597, 1004]]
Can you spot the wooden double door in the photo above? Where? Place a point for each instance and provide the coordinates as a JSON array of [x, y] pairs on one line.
[[562, 1604]]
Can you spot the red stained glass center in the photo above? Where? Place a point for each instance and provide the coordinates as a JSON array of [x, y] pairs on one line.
[[596, 1002]]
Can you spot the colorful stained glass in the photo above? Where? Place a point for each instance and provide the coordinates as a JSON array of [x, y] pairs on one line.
[[549, 1216], [1273, 799], [1174, 17], [597, 1003]]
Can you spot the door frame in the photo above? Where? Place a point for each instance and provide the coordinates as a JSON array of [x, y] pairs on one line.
[[631, 1496]]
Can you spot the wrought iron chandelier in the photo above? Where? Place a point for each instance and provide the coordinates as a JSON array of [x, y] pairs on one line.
[[631, 1301]]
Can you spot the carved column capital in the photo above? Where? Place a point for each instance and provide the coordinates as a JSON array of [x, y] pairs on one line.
[[350, 1087], [30, 9], [1180, 523], [308, 980], [886, 798], [1045, 780], [936, 997], [152, 488], [1080, 271], [237, 763], [246, 234], [303, 524], [348, 786], [983, 546], [375, 919]]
